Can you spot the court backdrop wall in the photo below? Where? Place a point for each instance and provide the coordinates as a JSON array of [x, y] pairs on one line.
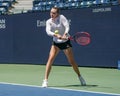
[[23, 38]]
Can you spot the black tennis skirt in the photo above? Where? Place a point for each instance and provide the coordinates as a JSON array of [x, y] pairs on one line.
[[64, 45]]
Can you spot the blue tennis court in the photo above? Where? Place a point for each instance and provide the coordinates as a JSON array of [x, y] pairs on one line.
[[7, 89]]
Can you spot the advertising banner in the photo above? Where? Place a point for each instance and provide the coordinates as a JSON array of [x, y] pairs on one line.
[[23, 38]]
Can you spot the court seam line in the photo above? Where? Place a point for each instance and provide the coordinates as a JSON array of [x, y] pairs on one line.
[[18, 84]]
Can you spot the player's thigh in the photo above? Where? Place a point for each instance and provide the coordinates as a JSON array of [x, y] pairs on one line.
[[69, 53], [54, 51]]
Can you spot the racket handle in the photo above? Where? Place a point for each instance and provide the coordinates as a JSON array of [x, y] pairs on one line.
[[70, 38]]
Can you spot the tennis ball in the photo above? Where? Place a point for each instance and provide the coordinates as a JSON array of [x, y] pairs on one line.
[[56, 31]]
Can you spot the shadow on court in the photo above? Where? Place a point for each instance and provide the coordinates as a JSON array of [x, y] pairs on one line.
[[88, 86], [82, 86], [28, 90]]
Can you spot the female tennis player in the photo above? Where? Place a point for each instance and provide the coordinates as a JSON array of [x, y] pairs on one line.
[[58, 28]]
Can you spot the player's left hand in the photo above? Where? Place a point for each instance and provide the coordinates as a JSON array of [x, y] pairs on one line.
[[64, 37]]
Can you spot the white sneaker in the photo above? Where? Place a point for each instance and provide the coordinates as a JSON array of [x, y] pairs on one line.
[[45, 84], [82, 81]]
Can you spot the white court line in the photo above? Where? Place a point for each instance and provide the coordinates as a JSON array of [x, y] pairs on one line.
[[17, 84]]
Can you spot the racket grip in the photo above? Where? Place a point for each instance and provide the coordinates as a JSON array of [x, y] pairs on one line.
[[70, 38]]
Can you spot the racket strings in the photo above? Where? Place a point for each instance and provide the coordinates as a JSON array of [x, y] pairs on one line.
[[82, 38]]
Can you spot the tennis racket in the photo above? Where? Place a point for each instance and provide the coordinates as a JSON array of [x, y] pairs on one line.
[[81, 38]]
